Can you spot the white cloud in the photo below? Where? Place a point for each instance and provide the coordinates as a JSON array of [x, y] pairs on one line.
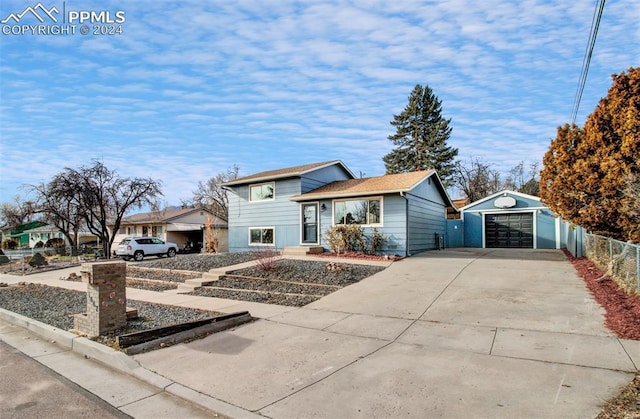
[[194, 87]]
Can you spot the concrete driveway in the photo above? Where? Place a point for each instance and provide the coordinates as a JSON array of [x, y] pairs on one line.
[[454, 333]]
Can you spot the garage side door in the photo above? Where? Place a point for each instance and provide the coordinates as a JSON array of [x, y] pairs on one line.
[[509, 230]]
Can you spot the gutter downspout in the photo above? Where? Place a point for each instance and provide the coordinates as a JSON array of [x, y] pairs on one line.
[[407, 251]]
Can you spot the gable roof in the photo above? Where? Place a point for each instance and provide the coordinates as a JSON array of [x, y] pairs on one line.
[[163, 216], [386, 184], [287, 172], [502, 193]]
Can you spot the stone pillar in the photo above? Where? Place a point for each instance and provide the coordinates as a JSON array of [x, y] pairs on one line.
[[106, 298]]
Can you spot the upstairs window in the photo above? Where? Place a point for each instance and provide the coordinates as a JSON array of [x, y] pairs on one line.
[[261, 192], [357, 211]]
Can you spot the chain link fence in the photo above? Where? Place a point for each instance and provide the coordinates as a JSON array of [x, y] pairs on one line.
[[17, 261], [619, 260]]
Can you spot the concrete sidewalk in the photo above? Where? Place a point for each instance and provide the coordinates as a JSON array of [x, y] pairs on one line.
[[455, 333]]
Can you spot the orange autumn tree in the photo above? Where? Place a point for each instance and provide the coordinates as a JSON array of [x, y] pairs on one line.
[[587, 172]]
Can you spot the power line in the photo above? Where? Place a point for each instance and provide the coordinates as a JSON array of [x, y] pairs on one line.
[[595, 24]]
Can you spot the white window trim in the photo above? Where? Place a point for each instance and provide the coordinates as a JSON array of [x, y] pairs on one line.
[[364, 198], [318, 234], [273, 186], [261, 228]]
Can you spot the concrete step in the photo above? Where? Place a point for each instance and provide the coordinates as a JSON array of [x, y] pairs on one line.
[[193, 284], [302, 250]]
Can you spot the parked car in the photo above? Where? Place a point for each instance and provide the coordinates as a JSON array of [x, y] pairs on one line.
[[139, 247]]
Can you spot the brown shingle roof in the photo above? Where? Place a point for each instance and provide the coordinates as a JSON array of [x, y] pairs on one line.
[[401, 182], [286, 172], [159, 216]]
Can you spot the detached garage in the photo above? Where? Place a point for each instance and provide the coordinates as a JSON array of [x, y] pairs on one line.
[[511, 219]]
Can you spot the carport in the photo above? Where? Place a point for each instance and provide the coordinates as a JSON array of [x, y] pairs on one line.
[[186, 235]]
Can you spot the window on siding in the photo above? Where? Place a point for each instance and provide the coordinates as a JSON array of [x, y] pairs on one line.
[[261, 192], [131, 231], [357, 211], [156, 231], [261, 235]]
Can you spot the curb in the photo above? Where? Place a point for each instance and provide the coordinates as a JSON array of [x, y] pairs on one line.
[[119, 361]]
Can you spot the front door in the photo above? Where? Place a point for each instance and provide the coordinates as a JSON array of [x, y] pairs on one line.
[[310, 223]]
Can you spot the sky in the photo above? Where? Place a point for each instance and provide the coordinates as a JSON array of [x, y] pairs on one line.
[[181, 91]]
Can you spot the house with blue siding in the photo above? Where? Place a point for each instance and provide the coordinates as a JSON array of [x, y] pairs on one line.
[[509, 219], [294, 207]]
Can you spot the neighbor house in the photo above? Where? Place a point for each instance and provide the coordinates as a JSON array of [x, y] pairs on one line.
[[39, 234], [184, 226], [50, 235], [509, 219], [295, 207]]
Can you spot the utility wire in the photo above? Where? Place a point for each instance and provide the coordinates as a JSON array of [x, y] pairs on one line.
[[595, 24]]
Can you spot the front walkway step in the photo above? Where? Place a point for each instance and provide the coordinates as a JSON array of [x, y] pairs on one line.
[[302, 250], [210, 277], [193, 284]]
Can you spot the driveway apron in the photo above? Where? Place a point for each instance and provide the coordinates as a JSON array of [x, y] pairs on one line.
[[454, 333]]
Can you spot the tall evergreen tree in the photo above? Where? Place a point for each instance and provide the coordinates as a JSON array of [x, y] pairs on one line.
[[421, 137]]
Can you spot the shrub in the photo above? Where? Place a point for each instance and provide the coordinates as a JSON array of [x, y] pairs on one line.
[[346, 238], [267, 259], [351, 238], [37, 260], [377, 240], [56, 242], [10, 244]]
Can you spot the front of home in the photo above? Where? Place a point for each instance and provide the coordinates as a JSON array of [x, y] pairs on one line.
[[296, 206]]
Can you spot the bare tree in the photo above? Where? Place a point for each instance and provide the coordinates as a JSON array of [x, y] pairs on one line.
[[210, 193], [16, 213], [477, 179], [97, 196], [60, 210], [518, 181]]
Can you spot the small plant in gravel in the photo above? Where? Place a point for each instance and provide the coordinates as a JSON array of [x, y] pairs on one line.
[[37, 260], [267, 259]]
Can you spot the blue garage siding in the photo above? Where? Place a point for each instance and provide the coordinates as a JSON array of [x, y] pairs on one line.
[[545, 234], [280, 213], [546, 230]]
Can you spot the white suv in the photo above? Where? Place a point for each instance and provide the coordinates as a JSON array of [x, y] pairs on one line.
[[139, 247]]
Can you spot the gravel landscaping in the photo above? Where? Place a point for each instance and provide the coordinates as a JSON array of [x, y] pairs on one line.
[[292, 282], [340, 274], [56, 307], [199, 262]]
